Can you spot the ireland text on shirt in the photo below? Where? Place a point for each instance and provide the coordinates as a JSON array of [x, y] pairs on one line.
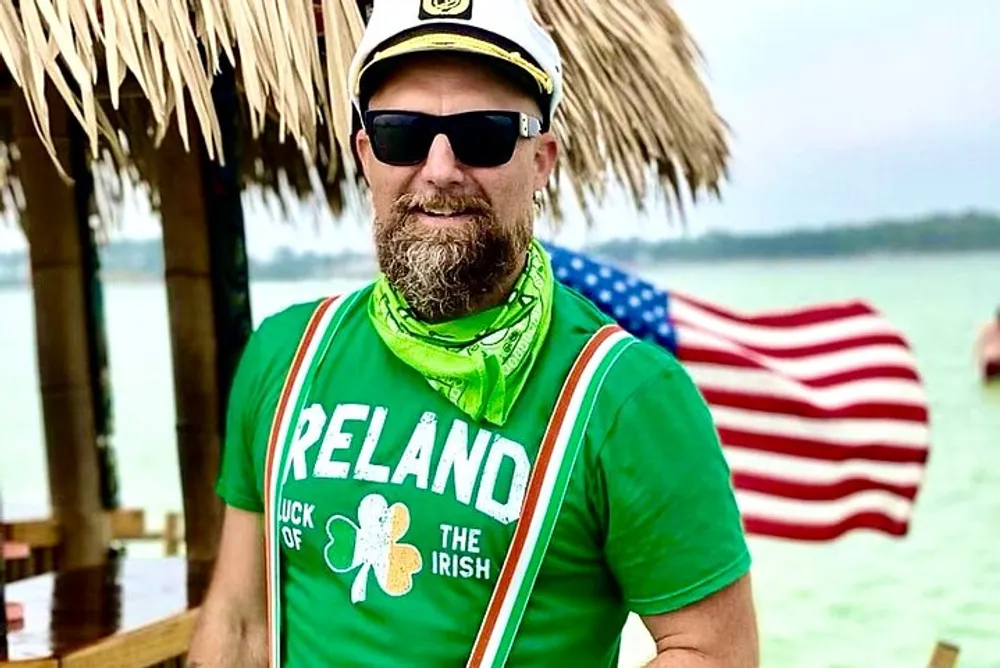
[[337, 457]]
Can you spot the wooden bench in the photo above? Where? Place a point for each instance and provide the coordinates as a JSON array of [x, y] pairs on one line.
[[136, 612]]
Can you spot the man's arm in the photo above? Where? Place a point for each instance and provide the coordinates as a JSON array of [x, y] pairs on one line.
[[674, 537], [232, 625], [716, 632]]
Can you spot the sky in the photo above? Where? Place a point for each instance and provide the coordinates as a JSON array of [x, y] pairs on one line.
[[840, 110]]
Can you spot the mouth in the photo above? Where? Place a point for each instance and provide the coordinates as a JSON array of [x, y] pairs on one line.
[[444, 215]]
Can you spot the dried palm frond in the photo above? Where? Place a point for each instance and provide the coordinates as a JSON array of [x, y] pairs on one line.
[[634, 99], [634, 105]]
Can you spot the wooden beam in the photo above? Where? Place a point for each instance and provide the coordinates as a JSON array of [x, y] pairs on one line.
[[57, 256], [126, 524], [209, 307], [150, 645], [31, 663]]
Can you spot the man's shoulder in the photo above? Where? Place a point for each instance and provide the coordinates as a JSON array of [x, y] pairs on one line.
[[285, 327], [639, 364], [278, 334], [646, 368]]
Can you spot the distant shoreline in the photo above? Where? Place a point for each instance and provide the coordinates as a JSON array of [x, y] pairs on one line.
[[141, 261]]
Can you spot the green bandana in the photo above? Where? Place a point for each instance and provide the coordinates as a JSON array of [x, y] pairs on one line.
[[479, 362]]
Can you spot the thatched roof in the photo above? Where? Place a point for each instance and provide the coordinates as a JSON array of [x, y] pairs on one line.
[[635, 108]]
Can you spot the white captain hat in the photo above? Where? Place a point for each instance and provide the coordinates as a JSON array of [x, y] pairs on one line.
[[502, 29]]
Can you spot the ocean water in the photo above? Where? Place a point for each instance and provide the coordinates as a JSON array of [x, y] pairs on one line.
[[865, 600]]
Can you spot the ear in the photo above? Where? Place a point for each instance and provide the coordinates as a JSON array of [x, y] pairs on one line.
[[363, 146], [546, 155]]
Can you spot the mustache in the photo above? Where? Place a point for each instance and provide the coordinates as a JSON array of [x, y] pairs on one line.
[[473, 205]]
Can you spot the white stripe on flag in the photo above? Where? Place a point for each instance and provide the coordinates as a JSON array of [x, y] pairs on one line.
[[807, 471], [764, 383], [807, 513], [779, 337], [811, 366], [838, 431]]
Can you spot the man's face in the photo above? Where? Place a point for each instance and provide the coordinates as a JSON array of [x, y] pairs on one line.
[[450, 237]]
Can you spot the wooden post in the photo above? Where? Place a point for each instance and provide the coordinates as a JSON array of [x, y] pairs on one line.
[[3, 590], [227, 239], [171, 535], [209, 306], [945, 656], [57, 252], [94, 313], [193, 345]]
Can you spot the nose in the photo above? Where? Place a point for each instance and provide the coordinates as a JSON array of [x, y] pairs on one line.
[[442, 168]]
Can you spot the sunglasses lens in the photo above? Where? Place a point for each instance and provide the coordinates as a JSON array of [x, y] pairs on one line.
[[484, 139], [478, 138], [400, 138]]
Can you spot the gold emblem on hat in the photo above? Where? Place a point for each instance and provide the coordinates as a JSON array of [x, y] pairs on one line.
[[445, 7]]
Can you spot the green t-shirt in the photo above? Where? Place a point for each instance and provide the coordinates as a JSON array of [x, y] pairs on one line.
[[398, 510]]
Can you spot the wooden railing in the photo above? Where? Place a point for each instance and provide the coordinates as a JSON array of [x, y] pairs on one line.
[[41, 540]]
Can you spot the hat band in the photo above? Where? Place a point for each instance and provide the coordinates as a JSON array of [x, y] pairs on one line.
[[454, 42]]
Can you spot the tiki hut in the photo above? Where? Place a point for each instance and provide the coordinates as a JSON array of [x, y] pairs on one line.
[[196, 102]]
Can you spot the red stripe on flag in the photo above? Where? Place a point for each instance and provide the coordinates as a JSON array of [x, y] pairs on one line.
[[871, 410], [821, 348], [775, 528], [822, 450], [791, 489], [689, 354], [800, 317]]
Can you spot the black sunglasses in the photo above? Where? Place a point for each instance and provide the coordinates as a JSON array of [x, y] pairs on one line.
[[478, 138]]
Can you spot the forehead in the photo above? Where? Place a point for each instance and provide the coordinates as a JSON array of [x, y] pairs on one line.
[[448, 83]]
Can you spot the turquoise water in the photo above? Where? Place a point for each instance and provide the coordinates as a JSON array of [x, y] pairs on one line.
[[865, 600]]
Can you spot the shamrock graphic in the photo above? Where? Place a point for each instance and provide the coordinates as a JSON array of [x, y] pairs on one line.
[[372, 545]]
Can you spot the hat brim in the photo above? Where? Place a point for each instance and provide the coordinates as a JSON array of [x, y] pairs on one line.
[[427, 42]]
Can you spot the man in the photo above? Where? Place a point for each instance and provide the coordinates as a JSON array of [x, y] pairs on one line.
[[383, 449]]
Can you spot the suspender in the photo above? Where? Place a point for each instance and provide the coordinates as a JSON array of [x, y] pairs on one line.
[[546, 490], [547, 485], [313, 345]]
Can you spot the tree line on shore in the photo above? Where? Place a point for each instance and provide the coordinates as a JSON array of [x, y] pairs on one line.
[[971, 231]]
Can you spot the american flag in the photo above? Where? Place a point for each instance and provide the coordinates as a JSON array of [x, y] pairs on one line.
[[821, 411]]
